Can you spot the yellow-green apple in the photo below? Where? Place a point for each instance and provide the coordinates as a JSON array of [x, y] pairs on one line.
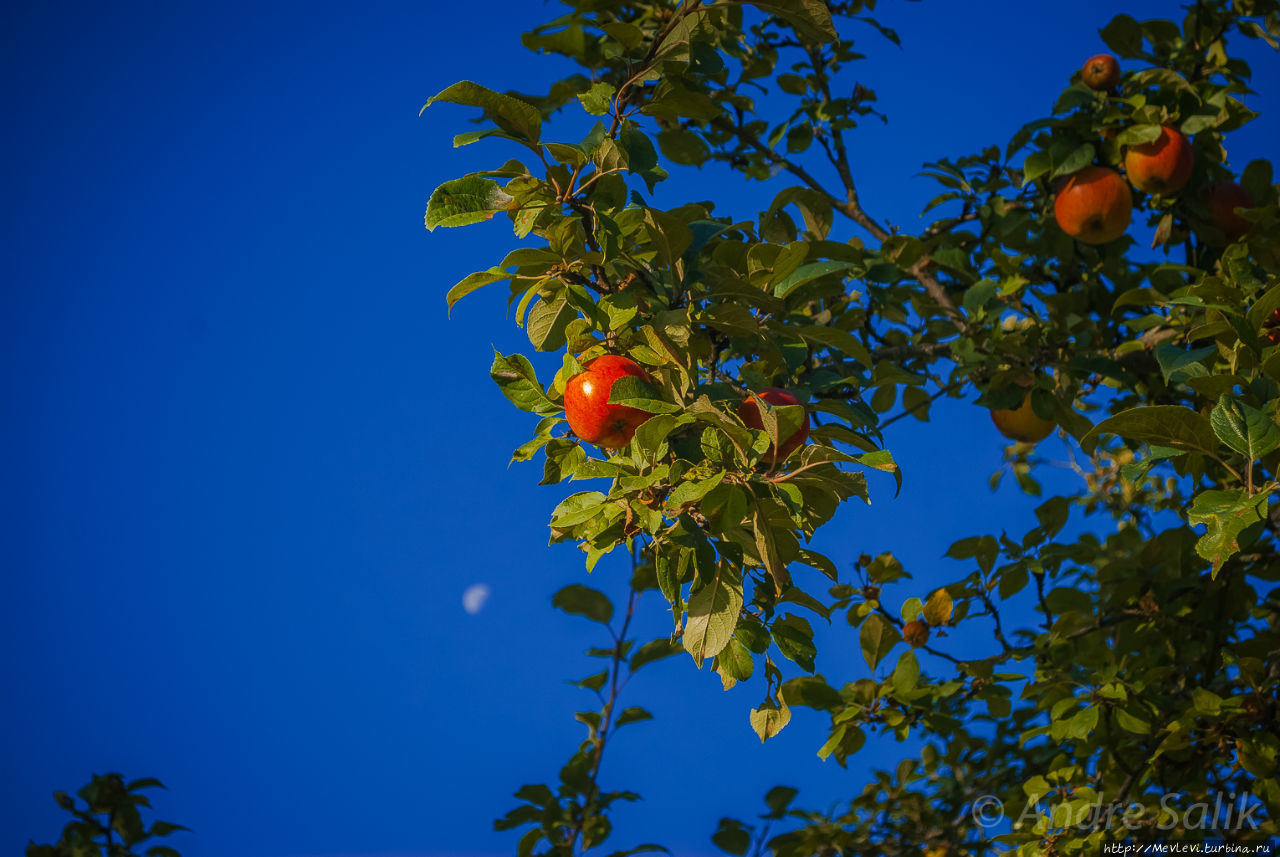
[[1094, 205], [1162, 166], [1022, 423], [586, 402], [749, 413]]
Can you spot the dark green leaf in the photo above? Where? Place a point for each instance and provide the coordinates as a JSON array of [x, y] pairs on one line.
[[1123, 35], [811, 19], [654, 650], [634, 714], [877, 637], [584, 601], [1247, 430]]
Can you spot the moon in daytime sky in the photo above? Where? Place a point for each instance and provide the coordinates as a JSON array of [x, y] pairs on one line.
[[474, 598]]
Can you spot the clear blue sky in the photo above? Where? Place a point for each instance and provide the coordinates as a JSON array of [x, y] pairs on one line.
[[249, 467]]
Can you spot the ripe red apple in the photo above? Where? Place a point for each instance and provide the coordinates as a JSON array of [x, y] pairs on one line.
[[1162, 166], [1094, 205], [1222, 199], [586, 402], [1101, 72], [749, 413]]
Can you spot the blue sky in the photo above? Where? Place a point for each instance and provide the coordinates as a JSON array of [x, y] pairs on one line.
[[250, 467]]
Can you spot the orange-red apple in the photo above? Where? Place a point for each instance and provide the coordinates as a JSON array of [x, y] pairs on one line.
[[1162, 166], [749, 413], [1222, 199], [1094, 205], [586, 402], [915, 633], [1271, 328], [1101, 72]]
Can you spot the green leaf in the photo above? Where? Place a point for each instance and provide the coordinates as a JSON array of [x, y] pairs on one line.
[[1137, 135], [732, 837], [1247, 430], [596, 99], [1079, 158], [584, 601], [577, 508], [1225, 514], [767, 547], [647, 848], [471, 282], [693, 491], [652, 432], [1123, 35], [547, 323], [669, 235], [1161, 425], [654, 650], [877, 637], [794, 637], [807, 274], [885, 569], [634, 714], [511, 114], [713, 614], [592, 682], [811, 19], [1206, 702], [1082, 723], [464, 201], [639, 394], [519, 383], [146, 783], [734, 663], [812, 691], [906, 674], [1035, 165], [841, 340], [1130, 723], [769, 719], [778, 799], [1035, 788], [1178, 365]]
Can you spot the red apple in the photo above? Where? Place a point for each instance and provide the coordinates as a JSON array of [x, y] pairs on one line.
[[1094, 205], [586, 402], [1222, 199], [1162, 166], [916, 633], [1271, 328], [749, 413], [1101, 72]]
